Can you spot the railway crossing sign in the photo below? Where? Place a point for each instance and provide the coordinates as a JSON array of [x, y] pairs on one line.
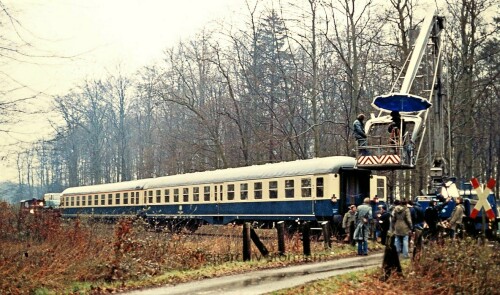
[[483, 198]]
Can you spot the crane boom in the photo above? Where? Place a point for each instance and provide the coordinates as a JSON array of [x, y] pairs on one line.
[[418, 52]]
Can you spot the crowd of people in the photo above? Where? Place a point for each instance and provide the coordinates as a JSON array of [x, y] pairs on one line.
[[401, 220]]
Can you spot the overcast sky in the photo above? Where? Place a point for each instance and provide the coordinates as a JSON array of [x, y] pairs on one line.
[[99, 34]]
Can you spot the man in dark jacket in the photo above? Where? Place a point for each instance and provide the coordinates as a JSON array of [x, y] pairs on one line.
[[359, 133], [431, 218], [384, 222], [417, 214]]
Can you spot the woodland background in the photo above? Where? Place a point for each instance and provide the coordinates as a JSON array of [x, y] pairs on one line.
[[287, 85]]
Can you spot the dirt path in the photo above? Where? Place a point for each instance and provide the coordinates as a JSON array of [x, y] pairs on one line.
[[265, 281]]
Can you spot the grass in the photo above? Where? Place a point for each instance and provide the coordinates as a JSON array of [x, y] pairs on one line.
[[456, 267], [47, 255]]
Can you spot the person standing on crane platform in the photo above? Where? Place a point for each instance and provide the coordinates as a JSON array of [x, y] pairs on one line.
[[360, 135], [395, 128]]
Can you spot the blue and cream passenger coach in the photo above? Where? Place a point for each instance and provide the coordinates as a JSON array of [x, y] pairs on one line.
[[314, 189]]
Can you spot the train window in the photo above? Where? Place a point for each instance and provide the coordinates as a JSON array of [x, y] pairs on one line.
[[167, 196], [117, 195], [67, 201], [158, 196], [273, 189], [206, 193], [381, 188], [103, 200], [196, 194], [176, 195], [137, 198], [185, 194], [89, 200], [289, 188], [319, 187], [244, 191], [132, 198], [125, 198], [77, 201], [83, 200], [110, 199], [257, 190], [145, 197], [306, 187], [150, 197], [72, 201], [230, 191], [96, 200]]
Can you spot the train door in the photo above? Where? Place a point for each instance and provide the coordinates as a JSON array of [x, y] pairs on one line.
[[218, 193], [354, 187]]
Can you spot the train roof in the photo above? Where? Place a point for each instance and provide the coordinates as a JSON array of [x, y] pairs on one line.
[[109, 187], [282, 169]]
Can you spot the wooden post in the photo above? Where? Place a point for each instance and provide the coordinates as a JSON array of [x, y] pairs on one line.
[[483, 223], [306, 240], [326, 235], [255, 238], [247, 242], [280, 227], [417, 245], [391, 261]]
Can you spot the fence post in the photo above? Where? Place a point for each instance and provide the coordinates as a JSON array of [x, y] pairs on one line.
[[326, 235], [255, 238], [280, 227], [306, 240], [247, 242]]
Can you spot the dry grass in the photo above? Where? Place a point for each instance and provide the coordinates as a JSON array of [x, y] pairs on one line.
[[45, 255], [460, 267]]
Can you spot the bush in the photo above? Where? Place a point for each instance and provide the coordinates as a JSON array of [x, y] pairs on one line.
[[456, 267]]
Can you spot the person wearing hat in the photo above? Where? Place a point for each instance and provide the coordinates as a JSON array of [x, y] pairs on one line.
[[359, 134], [383, 222], [349, 223]]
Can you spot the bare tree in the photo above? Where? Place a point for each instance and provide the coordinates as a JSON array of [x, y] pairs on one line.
[[119, 88], [469, 34], [187, 82]]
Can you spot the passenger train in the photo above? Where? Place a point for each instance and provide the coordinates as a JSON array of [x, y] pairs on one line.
[[313, 190]]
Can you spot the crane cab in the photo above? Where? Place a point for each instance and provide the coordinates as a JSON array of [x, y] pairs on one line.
[[390, 143]]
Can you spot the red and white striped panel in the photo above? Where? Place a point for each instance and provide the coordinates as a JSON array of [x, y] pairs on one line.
[[379, 160]]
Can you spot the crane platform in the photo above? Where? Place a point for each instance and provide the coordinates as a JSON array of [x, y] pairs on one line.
[[386, 157]]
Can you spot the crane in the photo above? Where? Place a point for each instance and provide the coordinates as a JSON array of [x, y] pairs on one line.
[[396, 134]]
